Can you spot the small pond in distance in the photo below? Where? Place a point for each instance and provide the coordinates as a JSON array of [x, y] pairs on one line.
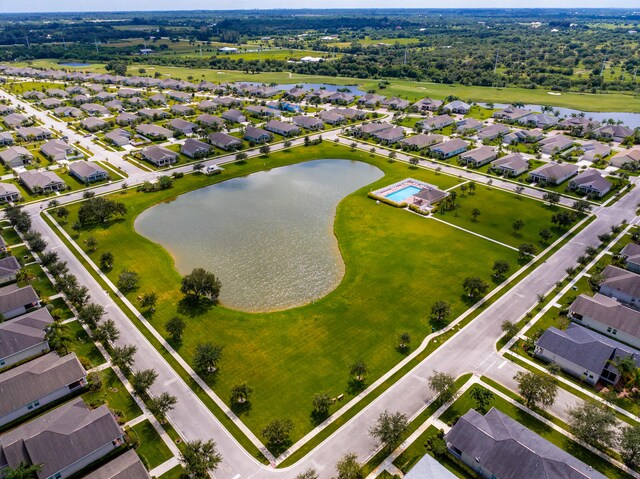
[[267, 236]]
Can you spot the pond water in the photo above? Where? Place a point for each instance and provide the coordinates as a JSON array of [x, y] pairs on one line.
[[75, 64], [267, 236], [632, 120], [313, 86]]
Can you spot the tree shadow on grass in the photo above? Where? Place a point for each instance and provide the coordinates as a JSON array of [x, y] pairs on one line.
[[277, 449], [241, 408], [318, 417], [191, 306], [355, 387]]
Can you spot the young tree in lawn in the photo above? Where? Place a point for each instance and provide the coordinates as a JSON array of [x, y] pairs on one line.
[[440, 312], [525, 250], [518, 190], [630, 446], [563, 219], [175, 326], [517, 225], [106, 261], [199, 458], [48, 258], [359, 370], [91, 314], [509, 328], [389, 429], [444, 384], [474, 214], [472, 187], [392, 155], [149, 300], [482, 397], [404, 341], [162, 404], [92, 244], [201, 283], [545, 235], [594, 423], [128, 281], [277, 432], [321, 404], [474, 287], [62, 213], [582, 206], [142, 380], [348, 467], [124, 356], [241, 156], [206, 358], [107, 332], [265, 150], [241, 393], [414, 161], [500, 268], [537, 390], [552, 198]]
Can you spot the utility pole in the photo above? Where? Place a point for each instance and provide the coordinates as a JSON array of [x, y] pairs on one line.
[[96, 42], [27, 38], [64, 45]]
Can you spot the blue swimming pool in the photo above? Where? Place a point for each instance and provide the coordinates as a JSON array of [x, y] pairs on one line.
[[402, 194]]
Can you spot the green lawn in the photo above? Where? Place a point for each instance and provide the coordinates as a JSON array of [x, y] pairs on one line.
[[60, 305], [388, 254], [81, 344], [151, 449], [35, 277], [498, 212], [465, 402], [22, 254], [10, 236], [175, 473], [115, 395]]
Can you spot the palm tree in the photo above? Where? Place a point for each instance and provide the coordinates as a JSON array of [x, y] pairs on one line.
[[59, 337], [628, 369]]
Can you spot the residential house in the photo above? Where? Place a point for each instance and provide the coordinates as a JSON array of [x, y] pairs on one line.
[[104, 96], [491, 132], [435, 123], [496, 446], [9, 193], [125, 466], [93, 124], [538, 120], [631, 255], [553, 173], [590, 182], [583, 353], [208, 105], [180, 96], [265, 92], [523, 136], [296, 93], [210, 121], [15, 300], [621, 284], [607, 316], [511, 114], [57, 93], [182, 110], [181, 126], [308, 122], [468, 125], [37, 383], [41, 181], [625, 157], [153, 113], [64, 441], [15, 120], [282, 128], [9, 268], [594, 150], [421, 141], [257, 135], [331, 117], [58, 150], [449, 148], [368, 129], [457, 106], [51, 103], [195, 148], [341, 98], [478, 156], [158, 99], [234, 116], [159, 156], [613, 132], [261, 111], [6, 138], [16, 156], [118, 137], [578, 125], [389, 136], [429, 468], [33, 95], [88, 171], [426, 104], [126, 118], [555, 144], [224, 141], [154, 132], [395, 103], [68, 111], [350, 113], [511, 165], [115, 105], [6, 110], [371, 99], [80, 99], [24, 337], [94, 109], [227, 101]]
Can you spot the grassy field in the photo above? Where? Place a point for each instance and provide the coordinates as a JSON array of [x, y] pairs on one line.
[[390, 255], [406, 89], [465, 402], [151, 449], [115, 395], [81, 344]]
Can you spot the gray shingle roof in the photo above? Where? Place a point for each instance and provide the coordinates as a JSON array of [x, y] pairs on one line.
[[59, 438], [511, 451], [36, 379], [125, 466], [621, 280], [609, 312], [9, 266], [12, 297], [23, 332]]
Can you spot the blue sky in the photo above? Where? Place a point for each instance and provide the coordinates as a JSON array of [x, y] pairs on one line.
[[128, 5]]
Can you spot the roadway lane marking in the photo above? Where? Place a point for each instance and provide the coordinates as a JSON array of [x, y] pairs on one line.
[[237, 476], [503, 363]]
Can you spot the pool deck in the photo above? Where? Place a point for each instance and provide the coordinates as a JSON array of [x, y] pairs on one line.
[[383, 193]]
